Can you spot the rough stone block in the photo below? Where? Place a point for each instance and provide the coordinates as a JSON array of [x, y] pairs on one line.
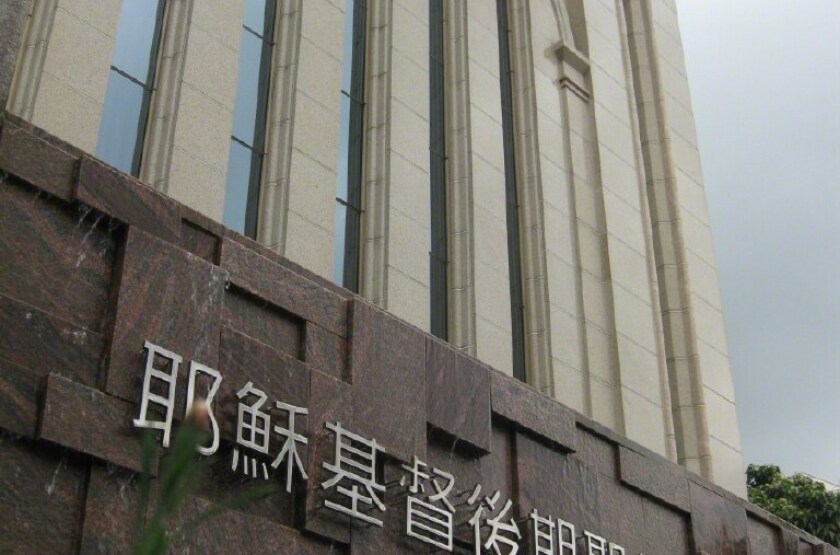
[[498, 469], [37, 162], [557, 485], [458, 394], [43, 343], [280, 286], [764, 538], [667, 532], [279, 376], [199, 242], [654, 477], [329, 401], [389, 379], [41, 495], [171, 298], [232, 531], [532, 411], [126, 199], [262, 321], [597, 452], [326, 351], [718, 525], [19, 392], [291, 265], [111, 507], [200, 235], [54, 258], [91, 422]]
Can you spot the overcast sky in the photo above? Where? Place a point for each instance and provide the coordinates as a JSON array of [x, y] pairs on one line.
[[765, 84]]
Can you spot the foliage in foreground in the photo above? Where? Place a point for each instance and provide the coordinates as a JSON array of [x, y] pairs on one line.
[[799, 499], [181, 473]]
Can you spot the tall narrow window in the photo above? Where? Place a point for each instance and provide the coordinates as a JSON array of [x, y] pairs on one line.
[[349, 184], [512, 201], [130, 84], [247, 141], [437, 173]]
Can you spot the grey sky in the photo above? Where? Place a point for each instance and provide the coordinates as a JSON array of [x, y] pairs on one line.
[[765, 84]]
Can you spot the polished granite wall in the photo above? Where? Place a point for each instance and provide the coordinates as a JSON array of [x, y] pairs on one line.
[[95, 263]]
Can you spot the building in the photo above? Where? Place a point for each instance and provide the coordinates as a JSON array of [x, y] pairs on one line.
[[518, 177]]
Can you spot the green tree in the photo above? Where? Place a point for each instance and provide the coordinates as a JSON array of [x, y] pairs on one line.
[[799, 499]]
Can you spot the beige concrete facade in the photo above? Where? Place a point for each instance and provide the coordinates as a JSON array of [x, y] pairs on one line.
[[623, 317]]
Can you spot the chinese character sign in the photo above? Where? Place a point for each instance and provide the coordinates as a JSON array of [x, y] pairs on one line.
[[354, 489], [354, 467]]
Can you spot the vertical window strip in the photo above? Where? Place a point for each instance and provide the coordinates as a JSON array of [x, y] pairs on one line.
[[130, 84], [512, 202], [438, 258], [349, 179], [247, 147]]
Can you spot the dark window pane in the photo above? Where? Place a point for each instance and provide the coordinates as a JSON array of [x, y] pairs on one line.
[[437, 175], [514, 259], [349, 179], [248, 88], [344, 133], [123, 123], [240, 170], [338, 252], [134, 49]]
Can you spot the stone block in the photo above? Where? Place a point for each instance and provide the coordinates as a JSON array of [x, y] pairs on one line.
[[232, 531], [329, 401], [387, 368], [200, 235], [458, 394], [42, 496], [170, 298], [37, 162], [54, 258], [43, 343], [667, 532], [19, 392], [764, 538], [111, 507], [279, 376], [126, 199], [326, 351], [656, 478], [89, 421], [597, 452], [718, 525], [282, 287], [531, 410], [557, 485], [262, 321]]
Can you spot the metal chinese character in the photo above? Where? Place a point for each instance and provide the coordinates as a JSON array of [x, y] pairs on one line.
[[290, 445], [252, 431], [595, 545], [429, 524], [501, 532], [424, 520], [195, 370], [158, 377], [566, 538], [543, 534], [355, 461]]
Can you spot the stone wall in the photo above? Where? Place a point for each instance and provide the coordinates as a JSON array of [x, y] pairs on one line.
[[94, 264]]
